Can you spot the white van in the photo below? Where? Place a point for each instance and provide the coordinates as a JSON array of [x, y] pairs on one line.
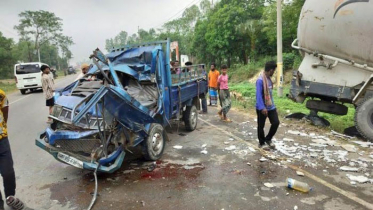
[[28, 76]]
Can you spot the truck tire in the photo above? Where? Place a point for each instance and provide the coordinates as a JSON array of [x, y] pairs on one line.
[[364, 118], [327, 107], [190, 118], [23, 91], [155, 142]]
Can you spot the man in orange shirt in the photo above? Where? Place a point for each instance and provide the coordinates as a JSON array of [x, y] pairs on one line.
[[213, 84]]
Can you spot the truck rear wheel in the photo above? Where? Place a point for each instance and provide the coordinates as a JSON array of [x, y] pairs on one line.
[[364, 118], [155, 142], [327, 107], [190, 118], [23, 91]]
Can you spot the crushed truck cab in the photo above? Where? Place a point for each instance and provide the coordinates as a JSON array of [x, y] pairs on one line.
[[126, 100]]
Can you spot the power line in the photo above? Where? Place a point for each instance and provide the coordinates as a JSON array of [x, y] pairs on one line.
[[192, 2]]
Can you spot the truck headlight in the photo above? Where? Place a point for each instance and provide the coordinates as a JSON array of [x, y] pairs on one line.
[[57, 111]]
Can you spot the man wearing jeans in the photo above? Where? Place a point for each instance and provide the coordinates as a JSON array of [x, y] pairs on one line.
[[265, 106]]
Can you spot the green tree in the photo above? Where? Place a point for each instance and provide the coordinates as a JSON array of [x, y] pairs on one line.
[[6, 59], [290, 18], [39, 28]]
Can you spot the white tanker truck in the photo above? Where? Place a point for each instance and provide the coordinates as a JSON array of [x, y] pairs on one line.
[[335, 38]]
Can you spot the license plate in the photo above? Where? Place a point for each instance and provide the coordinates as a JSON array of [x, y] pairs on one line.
[[70, 160], [31, 80]]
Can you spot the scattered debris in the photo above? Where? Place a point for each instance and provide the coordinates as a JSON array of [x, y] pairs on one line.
[[204, 152], [177, 147], [295, 207], [226, 142], [288, 140], [232, 147], [293, 132], [349, 147], [269, 185], [244, 199], [287, 194], [251, 149], [341, 135], [203, 146], [300, 173], [231, 139], [364, 144], [151, 167], [348, 168], [353, 183], [262, 159], [360, 179], [249, 164]]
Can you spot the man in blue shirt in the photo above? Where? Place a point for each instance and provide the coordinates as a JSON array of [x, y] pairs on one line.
[[265, 106]]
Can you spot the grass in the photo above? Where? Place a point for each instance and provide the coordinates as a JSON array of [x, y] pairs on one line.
[[8, 85], [286, 106]]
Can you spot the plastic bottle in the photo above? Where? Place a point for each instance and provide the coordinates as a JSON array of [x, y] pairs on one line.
[[297, 185]]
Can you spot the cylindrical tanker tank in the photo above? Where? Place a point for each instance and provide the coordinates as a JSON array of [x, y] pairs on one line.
[[336, 40], [341, 28]]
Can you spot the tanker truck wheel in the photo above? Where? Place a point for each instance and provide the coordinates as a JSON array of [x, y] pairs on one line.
[[190, 118], [364, 118], [327, 107], [154, 144]]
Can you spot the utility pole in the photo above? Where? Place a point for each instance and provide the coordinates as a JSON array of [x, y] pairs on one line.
[[39, 52], [280, 75]]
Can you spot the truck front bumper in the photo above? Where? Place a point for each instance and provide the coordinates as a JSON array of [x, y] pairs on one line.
[[64, 158]]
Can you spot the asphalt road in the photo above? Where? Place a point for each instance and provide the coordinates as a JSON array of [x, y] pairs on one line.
[[184, 178], [34, 168]]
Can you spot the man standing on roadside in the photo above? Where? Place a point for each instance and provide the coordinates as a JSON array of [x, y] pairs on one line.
[[265, 106], [201, 68], [48, 88], [6, 160], [213, 84]]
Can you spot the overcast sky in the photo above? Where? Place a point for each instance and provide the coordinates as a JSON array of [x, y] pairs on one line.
[[90, 22]]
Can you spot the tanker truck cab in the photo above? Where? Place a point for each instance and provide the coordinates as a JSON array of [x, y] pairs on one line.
[[337, 65], [28, 76]]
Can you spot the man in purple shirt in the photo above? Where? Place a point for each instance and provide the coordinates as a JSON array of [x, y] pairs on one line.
[[265, 106]]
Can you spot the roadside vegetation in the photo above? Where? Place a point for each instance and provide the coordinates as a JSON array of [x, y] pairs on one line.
[[243, 96]]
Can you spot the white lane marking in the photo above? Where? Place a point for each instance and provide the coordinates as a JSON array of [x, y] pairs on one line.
[[19, 99], [348, 194]]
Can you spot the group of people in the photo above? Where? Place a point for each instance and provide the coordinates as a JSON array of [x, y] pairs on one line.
[[218, 86], [265, 107]]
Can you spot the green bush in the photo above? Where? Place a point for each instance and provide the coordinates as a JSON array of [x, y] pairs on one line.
[[241, 73], [288, 60]]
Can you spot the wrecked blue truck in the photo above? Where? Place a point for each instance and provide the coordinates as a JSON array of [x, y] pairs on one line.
[[126, 100]]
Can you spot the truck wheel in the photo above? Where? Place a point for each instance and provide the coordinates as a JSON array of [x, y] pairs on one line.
[[364, 118], [327, 107], [154, 143], [23, 92], [190, 118]]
